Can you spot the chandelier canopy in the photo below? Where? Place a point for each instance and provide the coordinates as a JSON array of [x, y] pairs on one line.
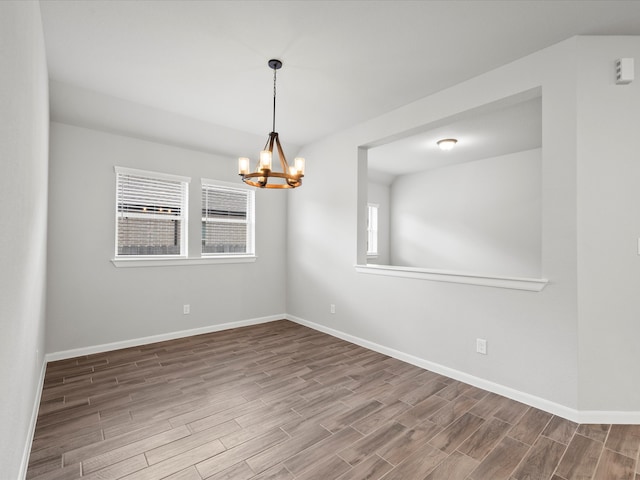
[[264, 176]]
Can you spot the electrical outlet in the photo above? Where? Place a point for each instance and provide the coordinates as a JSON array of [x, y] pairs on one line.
[[481, 346], [332, 308], [186, 309]]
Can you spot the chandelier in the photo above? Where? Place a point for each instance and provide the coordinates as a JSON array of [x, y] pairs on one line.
[[264, 176]]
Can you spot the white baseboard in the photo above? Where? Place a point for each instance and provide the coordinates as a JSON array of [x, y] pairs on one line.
[[578, 416], [106, 347], [613, 417], [24, 465]]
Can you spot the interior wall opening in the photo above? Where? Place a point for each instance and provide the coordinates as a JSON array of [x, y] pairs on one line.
[[475, 208]]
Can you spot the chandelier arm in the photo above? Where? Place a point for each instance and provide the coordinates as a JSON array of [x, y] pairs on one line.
[[291, 180], [283, 160], [272, 136]]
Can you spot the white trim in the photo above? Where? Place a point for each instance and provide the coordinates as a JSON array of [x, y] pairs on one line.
[[222, 183], [516, 283], [107, 347], [165, 262], [24, 465], [152, 174], [578, 416]]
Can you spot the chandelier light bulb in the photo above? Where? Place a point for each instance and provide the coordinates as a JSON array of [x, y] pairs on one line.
[[243, 165], [265, 160]]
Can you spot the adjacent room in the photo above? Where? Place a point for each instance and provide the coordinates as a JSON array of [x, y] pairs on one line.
[[320, 239]]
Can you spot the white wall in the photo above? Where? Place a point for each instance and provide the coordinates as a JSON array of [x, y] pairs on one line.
[[379, 194], [91, 302], [24, 127], [480, 217], [532, 337], [608, 226]]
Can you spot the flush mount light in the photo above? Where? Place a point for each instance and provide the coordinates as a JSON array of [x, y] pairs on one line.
[[264, 176], [447, 143]]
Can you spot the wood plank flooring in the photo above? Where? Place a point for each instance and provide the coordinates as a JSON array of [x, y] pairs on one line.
[[280, 401]]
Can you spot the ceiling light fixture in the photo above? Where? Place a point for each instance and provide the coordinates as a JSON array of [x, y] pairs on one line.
[[289, 177], [447, 143]]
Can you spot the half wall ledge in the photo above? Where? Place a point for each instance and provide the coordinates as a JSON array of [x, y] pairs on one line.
[[514, 283]]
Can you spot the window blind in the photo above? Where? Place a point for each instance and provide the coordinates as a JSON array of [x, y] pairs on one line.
[[151, 214], [227, 220]]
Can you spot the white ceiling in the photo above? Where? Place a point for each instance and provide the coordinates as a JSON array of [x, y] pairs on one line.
[[344, 61], [494, 132]]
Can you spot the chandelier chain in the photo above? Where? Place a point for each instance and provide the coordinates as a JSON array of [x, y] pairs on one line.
[[273, 127]]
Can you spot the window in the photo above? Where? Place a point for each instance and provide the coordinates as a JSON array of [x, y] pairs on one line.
[[151, 214], [372, 229], [227, 220]]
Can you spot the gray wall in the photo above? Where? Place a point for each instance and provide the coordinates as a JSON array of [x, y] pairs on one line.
[[479, 217], [532, 337], [91, 302], [608, 226], [573, 345], [24, 129]]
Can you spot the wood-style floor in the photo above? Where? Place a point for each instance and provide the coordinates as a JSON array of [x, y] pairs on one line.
[[281, 401]]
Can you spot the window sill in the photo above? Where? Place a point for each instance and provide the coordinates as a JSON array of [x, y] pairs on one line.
[[515, 283], [166, 262]]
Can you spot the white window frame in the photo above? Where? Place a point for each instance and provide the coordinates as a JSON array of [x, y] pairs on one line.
[[372, 229], [183, 217], [208, 184]]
